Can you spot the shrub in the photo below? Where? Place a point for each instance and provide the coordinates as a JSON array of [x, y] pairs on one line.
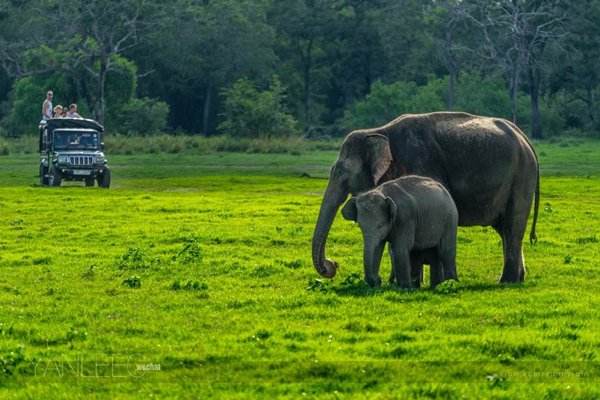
[[187, 144], [4, 149], [141, 116], [133, 282], [189, 285], [191, 253], [134, 259], [388, 101], [27, 96], [11, 361], [485, 96], [250, 112]]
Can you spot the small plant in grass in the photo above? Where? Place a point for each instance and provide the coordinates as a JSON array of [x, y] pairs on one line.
[[295, 264], [495, 381], [588, 239], [354, 279], [447, 287], [76, 334], [89, 274], [318, 285], [189, 285], [42, 261], [260, 335], [191, 253], [134, 259], [10, 361], [133, 282]]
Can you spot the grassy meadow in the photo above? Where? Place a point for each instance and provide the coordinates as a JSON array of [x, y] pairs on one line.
[[191, 278]]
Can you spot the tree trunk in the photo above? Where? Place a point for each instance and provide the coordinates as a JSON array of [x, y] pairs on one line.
[[451, 65], [206, 110], [451, 89], [307, 76], [101, 107], [514, 90], [368, 79], [591, 104], [534, 89]]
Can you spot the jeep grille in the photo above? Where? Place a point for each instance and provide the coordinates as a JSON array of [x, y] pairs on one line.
[[81, 160]]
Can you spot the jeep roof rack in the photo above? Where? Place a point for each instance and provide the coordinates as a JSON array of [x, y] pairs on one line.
[[47, 127], [56, 123]]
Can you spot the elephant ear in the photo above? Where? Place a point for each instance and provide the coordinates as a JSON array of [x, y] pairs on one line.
[[379, 156], [392, 208], [349, 211]]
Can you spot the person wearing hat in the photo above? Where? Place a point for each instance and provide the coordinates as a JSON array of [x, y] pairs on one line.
[[58, 111]]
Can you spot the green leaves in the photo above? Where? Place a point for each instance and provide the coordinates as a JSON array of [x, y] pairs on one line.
[[387, 101], [250, 112]]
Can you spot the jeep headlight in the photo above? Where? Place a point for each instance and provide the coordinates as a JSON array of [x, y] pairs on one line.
[[100, 160], [63, 159]]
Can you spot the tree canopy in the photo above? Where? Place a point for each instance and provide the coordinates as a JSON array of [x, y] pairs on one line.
[[327, 66]]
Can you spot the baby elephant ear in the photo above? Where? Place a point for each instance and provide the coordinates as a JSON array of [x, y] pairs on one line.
[[392, 208], [349, 211], [379, 156]]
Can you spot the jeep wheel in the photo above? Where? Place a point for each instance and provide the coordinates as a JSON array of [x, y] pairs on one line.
[[89, 182], [55, 178], [43, 175], [104, 179]]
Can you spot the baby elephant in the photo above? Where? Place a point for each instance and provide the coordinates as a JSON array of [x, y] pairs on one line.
[[418, 217]]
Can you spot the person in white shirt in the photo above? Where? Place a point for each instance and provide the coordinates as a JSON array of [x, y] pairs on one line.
[[47, 106]]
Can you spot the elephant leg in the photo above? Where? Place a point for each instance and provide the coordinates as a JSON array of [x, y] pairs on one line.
[[416, 269], [401, 265], [512, 229], [446, 252], [436, 271]]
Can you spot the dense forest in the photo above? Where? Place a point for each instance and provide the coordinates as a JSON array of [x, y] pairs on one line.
[[305, 67]]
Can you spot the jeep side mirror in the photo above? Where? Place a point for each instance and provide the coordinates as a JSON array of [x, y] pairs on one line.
[[101, 145]]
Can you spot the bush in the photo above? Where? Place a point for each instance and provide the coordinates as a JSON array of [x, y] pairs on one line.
[[4, 147], [141, 116], [27, 96], [388, 101], [484, 96], [253, 113], [475, 94], [186, 144], [489, 96]]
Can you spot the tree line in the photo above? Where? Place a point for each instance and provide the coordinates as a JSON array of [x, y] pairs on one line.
[[312, 67]]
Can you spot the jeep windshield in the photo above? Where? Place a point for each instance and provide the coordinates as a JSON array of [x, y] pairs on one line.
[[75, 140]]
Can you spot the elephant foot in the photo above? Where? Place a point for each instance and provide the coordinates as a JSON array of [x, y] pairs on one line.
[[373, 282], [513, 276]]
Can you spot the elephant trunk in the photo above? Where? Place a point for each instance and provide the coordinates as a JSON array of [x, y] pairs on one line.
[[333, 198]]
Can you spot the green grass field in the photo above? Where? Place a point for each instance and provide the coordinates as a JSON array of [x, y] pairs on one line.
[[191, 278]]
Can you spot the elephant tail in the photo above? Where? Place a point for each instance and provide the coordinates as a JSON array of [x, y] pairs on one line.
[[536, 207], [532, 235]]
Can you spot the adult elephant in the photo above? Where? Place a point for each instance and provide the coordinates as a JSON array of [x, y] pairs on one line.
[[487, 164]]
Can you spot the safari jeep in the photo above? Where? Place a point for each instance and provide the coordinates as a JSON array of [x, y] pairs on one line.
[[72, 150]]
